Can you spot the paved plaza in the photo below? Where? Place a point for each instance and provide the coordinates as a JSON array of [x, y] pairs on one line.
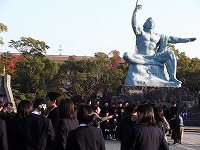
[[191, 141]]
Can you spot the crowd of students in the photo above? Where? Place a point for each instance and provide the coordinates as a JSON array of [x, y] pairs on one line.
[[60, 124]]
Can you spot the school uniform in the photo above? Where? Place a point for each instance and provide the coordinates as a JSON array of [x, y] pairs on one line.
[[3, 136], [54, 116], [34, 132], [147, 137], [63, 128], [85, 138]]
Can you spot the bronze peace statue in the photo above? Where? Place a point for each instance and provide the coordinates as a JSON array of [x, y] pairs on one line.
[[153, 64]]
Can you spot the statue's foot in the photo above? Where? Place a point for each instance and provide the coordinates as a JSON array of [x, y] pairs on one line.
[[175, 80]]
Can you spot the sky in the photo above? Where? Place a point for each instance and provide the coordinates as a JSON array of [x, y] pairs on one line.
[[84, 27]]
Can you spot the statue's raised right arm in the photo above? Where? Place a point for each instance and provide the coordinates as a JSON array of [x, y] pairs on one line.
[[135, 26]]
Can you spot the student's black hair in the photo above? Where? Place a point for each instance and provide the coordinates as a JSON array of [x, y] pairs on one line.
[[85, 114]]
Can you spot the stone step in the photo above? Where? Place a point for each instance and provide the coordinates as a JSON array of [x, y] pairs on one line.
[[192, 129]]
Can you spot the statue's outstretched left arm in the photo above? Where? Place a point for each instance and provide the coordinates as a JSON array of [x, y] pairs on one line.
[[174, 40]]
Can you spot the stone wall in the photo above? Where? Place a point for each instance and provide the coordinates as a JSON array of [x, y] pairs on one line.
[[142, 94]]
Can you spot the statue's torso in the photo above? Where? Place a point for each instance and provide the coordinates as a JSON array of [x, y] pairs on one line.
[[147, 43]]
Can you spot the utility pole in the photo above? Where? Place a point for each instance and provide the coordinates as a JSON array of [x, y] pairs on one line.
[[60, 49]]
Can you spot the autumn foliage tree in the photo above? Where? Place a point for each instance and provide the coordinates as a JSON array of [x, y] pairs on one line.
[[8, 61]]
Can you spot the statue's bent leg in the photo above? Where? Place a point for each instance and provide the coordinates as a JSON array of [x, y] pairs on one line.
[[141, 59], [170, 59]]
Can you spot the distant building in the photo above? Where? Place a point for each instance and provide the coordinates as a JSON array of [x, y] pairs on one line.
[[58, 58]]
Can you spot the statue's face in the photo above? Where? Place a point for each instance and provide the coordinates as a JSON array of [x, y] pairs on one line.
[[149, 24]]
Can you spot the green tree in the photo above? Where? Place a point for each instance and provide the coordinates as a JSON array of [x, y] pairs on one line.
[[88, 75], [183, 62], [5, 60], [27, 75], [3, 28], [194, 64], [29, 47], [49, 80], [78, 77], [36, 76], [100, 55], [187, 70]]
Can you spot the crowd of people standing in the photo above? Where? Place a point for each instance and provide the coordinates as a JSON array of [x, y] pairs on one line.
[[55, 123]]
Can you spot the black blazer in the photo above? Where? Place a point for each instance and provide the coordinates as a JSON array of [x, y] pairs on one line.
[[85, 138], [3, 136], [54, 116], [63, 128], [123, 130], [147, 137], [34, 132]]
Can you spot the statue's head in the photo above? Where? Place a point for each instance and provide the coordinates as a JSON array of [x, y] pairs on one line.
[[149, 24]]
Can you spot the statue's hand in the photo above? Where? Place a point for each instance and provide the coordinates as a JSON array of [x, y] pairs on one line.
[[192, 39], [138, 7]]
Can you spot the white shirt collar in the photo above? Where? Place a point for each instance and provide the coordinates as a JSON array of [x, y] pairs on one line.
[[36, 112], [53, 108], [83, 125]]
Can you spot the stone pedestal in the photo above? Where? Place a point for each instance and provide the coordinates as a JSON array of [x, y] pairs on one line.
[[142, 94]]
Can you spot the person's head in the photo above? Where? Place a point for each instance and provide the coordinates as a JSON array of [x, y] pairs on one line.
[[53, 99], [131, 109], [164, 107], [149, 24], [126, 104], [105, 104], [97, 102], [40, 105], [24, 108], [107, 113], [176, 115], [113, 104], [8, 104], [120, 104], [158, 113], [97, 109], [146, 114], [67, 109], [8, 107], [85, 114], [174, 103], [89, 102], [82, 102]]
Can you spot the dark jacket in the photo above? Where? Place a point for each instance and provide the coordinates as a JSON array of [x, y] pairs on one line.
[[85, 138], [54, 116], [123, 129], [3, 136], [63, 128], [147, 137], [34, 132], [176, 135]]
